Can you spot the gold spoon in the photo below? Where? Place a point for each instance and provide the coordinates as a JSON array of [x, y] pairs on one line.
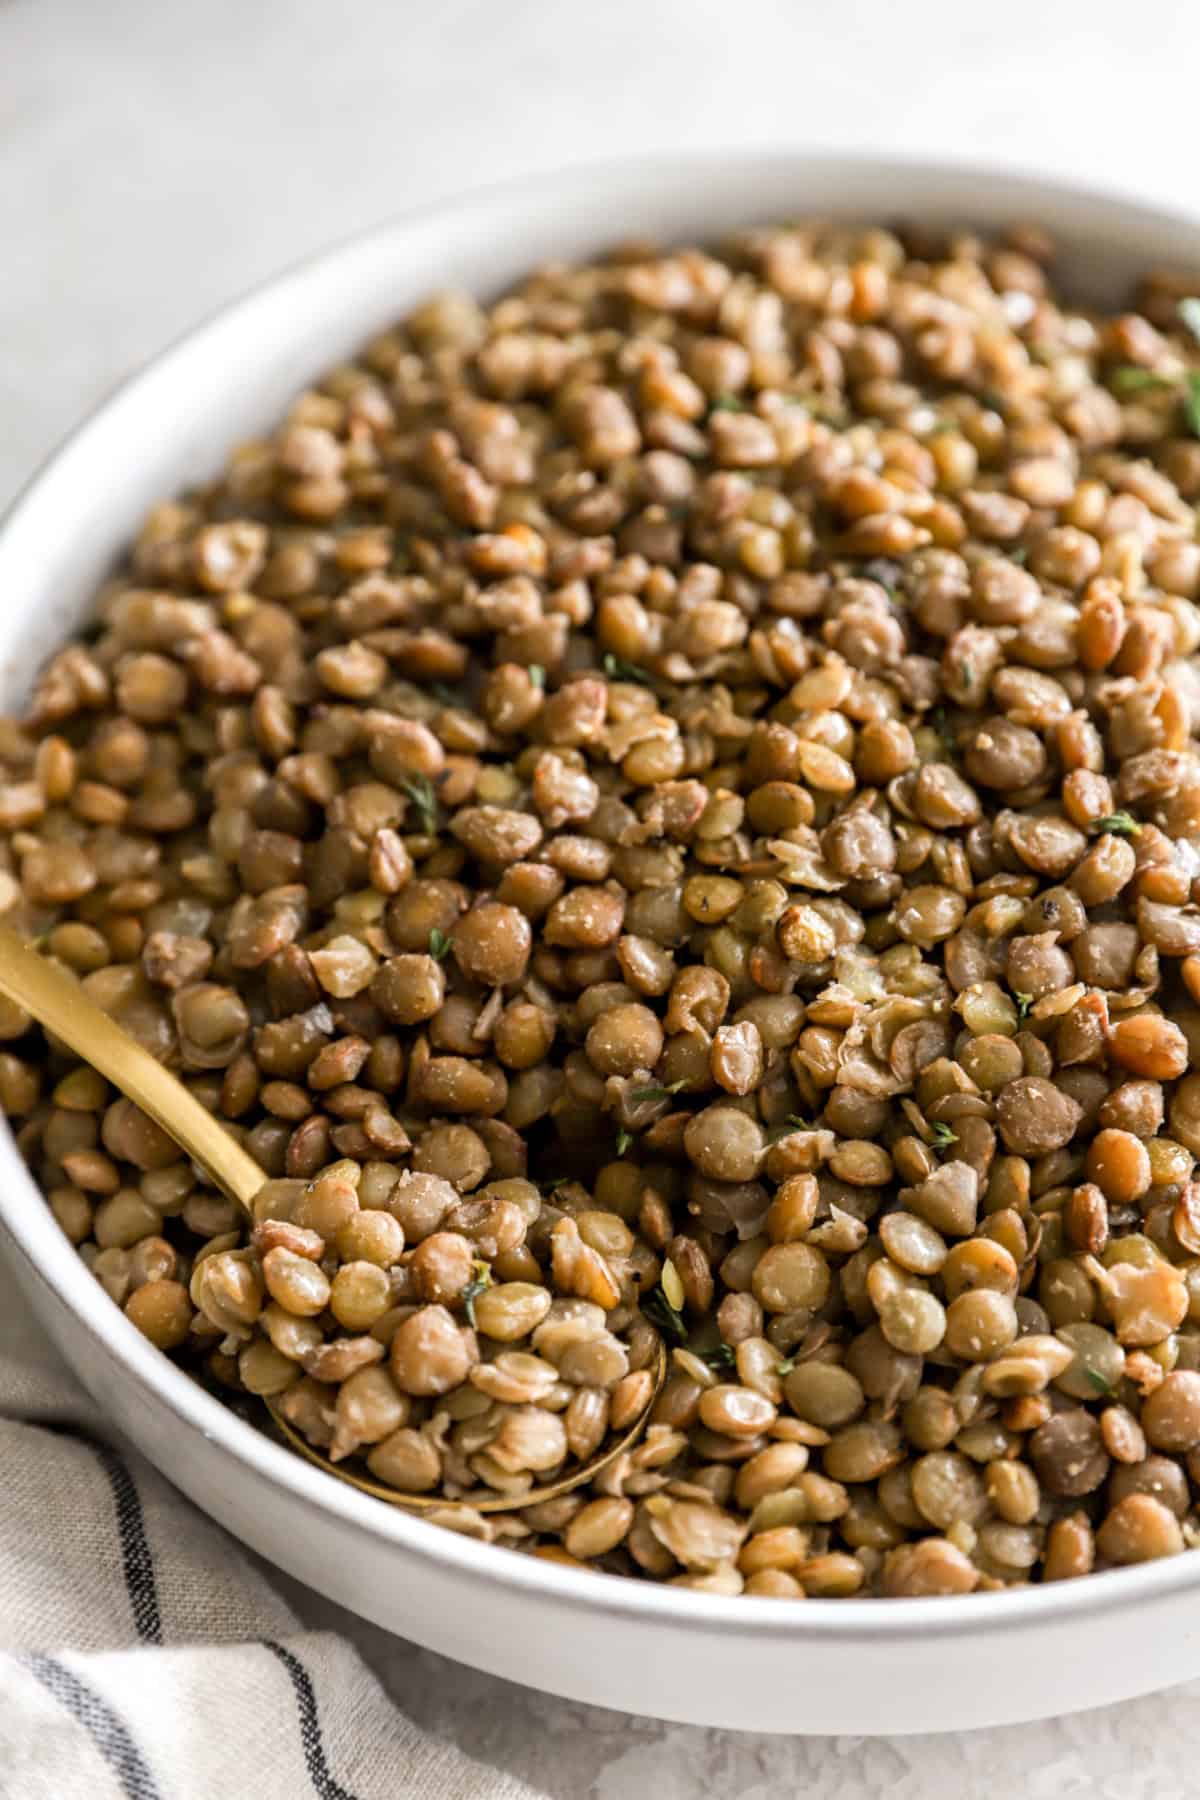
[[56, 1000]]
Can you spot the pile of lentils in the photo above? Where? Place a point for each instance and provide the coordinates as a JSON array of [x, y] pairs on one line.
[[667, 811]]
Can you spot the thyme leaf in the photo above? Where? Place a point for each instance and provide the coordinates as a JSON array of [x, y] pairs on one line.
[[660, 1312], [617, 669], [793, 1122], [419, 789], [1191, 401], [439, 945], [657, 1093], [939, 718], [1130, 380], [1121, 824]]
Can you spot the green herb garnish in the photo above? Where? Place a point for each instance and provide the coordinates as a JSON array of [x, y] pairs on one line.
[[1020, 555], [537, 675], [1100, 1382], [617, 669], [1024, 1002], [939, 718], [660, 1312], [481, 1278], [722, 1357], [728, 403], [1130, 380], [1121, 824], [786, 1366], [657, 1093], [439, 944], [1191, 400], [419, 789], [966, 673], [624, 1139], [943, 1136]]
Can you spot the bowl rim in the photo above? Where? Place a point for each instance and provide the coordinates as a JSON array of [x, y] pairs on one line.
[[52, 1263]]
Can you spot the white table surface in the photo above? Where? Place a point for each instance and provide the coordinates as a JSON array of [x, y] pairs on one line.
[[157, 158]]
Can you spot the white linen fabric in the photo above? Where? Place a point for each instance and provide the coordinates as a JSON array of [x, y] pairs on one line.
[[145, 1656]]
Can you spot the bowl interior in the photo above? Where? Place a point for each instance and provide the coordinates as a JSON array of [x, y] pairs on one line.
[[171, 427]]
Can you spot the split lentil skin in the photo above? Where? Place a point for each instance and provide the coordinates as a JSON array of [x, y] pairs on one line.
[[671, 803]]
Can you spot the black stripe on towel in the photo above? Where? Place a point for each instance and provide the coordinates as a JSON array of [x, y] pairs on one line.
[[108, 1732], [310, 1725], [136, 1558], [135, 1545]]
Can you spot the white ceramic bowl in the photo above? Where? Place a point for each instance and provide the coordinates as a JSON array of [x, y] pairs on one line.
[[860, 1666]]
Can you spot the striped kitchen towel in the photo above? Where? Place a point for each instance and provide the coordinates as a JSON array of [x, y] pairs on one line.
[[144, 1656]]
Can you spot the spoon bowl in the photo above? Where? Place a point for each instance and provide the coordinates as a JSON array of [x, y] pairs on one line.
[[490, 1503]]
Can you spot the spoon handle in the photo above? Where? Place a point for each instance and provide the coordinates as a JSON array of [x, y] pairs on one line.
[[57, 1001]]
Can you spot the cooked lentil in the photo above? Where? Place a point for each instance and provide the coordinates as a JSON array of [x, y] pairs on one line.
[[671, 803]]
